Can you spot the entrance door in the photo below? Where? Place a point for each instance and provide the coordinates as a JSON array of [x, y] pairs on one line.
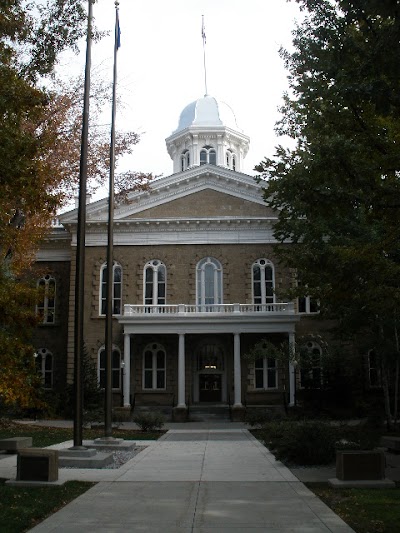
[[210, 387]]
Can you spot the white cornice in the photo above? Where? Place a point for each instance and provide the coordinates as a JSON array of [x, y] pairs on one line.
[[227, 230], [173, 187]]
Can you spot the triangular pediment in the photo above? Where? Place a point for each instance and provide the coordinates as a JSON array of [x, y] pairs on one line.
[[207, 203], [202, 192]]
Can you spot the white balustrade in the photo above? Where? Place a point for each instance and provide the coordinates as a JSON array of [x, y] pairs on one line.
[[281, 308]]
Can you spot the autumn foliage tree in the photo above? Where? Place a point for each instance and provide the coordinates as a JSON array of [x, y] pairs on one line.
[[39, 158], [337, 191]]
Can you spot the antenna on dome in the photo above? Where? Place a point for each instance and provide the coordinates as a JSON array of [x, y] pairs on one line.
[[203, 35]]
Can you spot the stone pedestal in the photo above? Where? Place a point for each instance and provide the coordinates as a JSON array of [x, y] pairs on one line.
[[180, 414], [238, 413], [360, 465], [37, 464]]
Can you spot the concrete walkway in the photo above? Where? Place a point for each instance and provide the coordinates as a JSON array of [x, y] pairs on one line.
[[195, 480]]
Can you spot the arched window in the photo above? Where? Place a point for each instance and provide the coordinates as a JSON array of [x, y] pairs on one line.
[[154, 289], [209, 282], [310, 366], [185, 160], [117, 289], [230, 159], [265, 373], [44, 365], [154, 368], [46, 305], [263, 282], [208, 155], [115, 367]]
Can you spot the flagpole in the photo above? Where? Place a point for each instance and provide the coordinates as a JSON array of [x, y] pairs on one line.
[[80, 248], [110, 238], [203, 35]]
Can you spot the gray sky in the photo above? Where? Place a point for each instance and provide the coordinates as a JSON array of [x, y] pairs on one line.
[[160, 67]]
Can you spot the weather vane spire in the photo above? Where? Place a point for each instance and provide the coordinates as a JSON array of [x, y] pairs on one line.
[[203, 35]]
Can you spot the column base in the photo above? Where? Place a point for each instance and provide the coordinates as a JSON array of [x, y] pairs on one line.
[[238, 413], [180, 414]]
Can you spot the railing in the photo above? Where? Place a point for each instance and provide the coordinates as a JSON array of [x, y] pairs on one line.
[[182, 309]]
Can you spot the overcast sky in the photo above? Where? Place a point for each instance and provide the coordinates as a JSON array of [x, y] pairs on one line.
[[160, 67]]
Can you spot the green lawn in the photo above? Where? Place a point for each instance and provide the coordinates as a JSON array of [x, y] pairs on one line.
[[365, 510], [46, 436], [21, 508]]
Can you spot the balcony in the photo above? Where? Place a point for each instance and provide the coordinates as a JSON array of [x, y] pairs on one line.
[[213, 318], [182, 309]]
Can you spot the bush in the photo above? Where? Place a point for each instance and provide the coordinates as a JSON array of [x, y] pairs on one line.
[[259, 417], [302, 443], [149, 421]]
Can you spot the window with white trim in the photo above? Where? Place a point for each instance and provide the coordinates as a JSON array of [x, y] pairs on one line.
[[154, 367], [265, 373], [44, 365], [307, 305], [263, 282], [115, 368], [116, 292], [374, 370], [185, 160], [155, 281], [208, 155], [46, 305], [209, 282], [230, 159], [311, 366]]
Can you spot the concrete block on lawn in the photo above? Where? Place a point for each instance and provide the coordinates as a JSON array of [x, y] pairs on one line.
[[360, 465], [37, 464], [13, 444]]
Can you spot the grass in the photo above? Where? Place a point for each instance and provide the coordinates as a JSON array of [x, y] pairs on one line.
[[21, 508], [46, 436], [364, 510]]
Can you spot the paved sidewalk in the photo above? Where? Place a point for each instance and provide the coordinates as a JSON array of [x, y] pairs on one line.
[[195, 480]]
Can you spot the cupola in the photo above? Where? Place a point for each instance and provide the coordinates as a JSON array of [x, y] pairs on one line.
[[207, 133]]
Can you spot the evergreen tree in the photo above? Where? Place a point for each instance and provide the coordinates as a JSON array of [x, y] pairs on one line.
[[337, 191]]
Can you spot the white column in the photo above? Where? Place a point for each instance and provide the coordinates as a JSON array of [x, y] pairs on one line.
[[126, 376], [237, 373], [292, 372], [181, 371]]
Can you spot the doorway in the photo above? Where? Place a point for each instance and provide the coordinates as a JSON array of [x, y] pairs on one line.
[[210, 387]]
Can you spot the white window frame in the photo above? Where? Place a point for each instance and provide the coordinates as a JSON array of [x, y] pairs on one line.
[[103, 290], [208, 151], [42, 357], [311, 346], [115, 370], [185, 160], [154, 348], [46, 308], [155, 266], [201, 282], [263, 264], [266, 368]]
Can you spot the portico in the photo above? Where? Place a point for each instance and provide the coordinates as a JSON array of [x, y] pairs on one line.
[[210, 371]]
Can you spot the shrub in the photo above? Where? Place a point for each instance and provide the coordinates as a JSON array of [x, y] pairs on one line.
[[259, 417], [149, 421], [302, 443]]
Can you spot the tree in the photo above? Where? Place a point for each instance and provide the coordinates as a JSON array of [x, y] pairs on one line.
[[39, 157], [337, 191]]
